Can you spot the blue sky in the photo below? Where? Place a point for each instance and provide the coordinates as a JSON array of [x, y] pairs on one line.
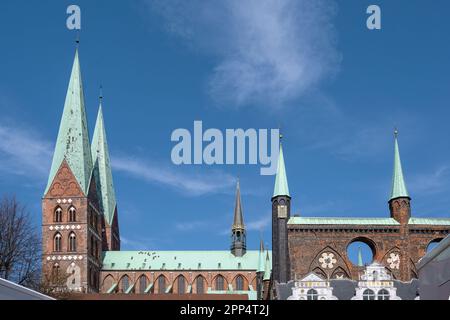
[[336, 89]]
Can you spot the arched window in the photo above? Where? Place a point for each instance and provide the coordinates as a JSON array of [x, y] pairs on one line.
[[72, 214], [200, 285], [142, 284], [368, 295], [92, 246], [125, 283], [58, 215], [57, 242], [383, 294], [239, 283], [161, 284], [312, 295], [72, 242], [220, 283], [181, 282], [55, 273]]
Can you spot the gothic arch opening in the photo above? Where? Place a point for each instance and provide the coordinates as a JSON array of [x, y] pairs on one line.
[[161, 284], [200, 285], [240, 283], [220, 283], [361, 251], [142, 284], [180, 285], [108, 282]]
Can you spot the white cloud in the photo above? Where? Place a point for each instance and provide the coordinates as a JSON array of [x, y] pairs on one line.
[[23, 152], [269, 52], [189, 183], [431, 183]]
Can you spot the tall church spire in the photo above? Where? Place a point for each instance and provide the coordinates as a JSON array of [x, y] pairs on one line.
[[360, 259], [399, 202], [238, 234], [72, 143], [102, 168], [281, 183], [398, 182]]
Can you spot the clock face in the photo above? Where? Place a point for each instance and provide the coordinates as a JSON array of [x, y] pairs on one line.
[[282, 211]]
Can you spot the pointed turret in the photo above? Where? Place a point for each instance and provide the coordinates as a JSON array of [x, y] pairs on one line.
[[238, 234], [360, 259], [261, 257], [267, 268], [398, 182], [281, 183], [399, 202], [281, 213], [72, 143], [102, 168]]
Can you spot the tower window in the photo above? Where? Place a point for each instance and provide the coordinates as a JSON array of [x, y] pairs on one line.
[[72, 242], [72, 214], [58, 215], [57, 242]]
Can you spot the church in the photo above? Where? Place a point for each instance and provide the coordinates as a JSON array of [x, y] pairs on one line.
[[302, 245], [81, 234]]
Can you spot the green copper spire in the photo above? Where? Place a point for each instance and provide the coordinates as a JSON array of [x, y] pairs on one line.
[[281, 183], [398, 182], [360, 260], [261, 265], [102, 168], [72, 143], [238, 221], [267, 268]]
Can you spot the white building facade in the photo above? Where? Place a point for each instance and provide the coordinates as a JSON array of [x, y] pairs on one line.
[[376, 284], [312, 287]]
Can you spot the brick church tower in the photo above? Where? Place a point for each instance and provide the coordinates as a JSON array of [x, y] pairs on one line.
[[79, 214], [281, 212]]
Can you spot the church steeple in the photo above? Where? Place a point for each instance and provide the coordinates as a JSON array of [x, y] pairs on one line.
[[281, 213], [281, 183], [360, 259], [102, 168], [72, 143], [399, 201], [238, 234], [398, 182]]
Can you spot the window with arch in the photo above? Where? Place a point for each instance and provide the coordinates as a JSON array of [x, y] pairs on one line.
[[58, 215], [125, 283], [57, 242], [181, 283], [220, 283], [383, 294], [200, 284], [239, 283], [142, 284], [72, 242], [312, 294], [368, 294], [55, 272], [161, 284], [72, 214]]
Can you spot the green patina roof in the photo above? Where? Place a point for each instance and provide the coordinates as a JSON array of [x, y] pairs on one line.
[[73, 137], [349, 221], [267, 268], [102, 169], [398, 182], [281, 183], [180, 260], [238, 221], [430, 221]]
